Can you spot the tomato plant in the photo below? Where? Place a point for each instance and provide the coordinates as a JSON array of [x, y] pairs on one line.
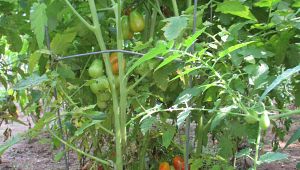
[[201, 65]]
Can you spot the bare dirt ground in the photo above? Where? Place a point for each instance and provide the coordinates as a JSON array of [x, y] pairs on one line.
[[37, 154]]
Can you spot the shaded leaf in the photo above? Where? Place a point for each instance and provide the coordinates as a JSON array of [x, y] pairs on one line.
[[285, 75], [147, 124], [168, 135], [86, 125], [61, 42], [293, 138]]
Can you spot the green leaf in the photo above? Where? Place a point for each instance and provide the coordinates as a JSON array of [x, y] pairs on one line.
[[188, 93], [182, 116], [298, 165], [233, 48], [168, 60], [61, 42], [10, 142], [285, 75], [38, 20], [271, 156], [168, 135], [65, 71], [217, 120], [235, 8], [33, 61], [31, 81], [190, 40], [174, 27], [293, 138], [160, 48], [86, 125], [266, 3], [147, 123], [244, 152], [58, 156], [296, 4]]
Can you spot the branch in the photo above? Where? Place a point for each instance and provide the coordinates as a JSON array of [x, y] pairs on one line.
[[79, 16]]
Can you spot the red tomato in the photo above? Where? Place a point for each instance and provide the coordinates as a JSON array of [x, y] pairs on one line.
[[114, 63], [178, 163], [164, 166]]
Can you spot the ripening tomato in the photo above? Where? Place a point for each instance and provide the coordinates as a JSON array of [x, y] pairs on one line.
[[114, 63], [164, 166], [127, 34], [178, 163], [136, 21]]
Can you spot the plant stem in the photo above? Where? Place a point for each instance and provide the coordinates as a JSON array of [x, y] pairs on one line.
[[143, 151], [98, 34], [257, 147], [175, 8], [200, 136], [79, 16]]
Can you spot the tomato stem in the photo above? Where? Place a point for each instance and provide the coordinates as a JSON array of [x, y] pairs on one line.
[[257, 148]]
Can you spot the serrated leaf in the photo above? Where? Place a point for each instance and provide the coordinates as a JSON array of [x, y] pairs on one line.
[[31, 81], [38, 20], [174, 27], [295, 137], [182, 116], [147, 124], [159, 49], [271, 156], [285, 75], [33, 61], [61, 42], [233, 48], [235, 8], [168, 135], [190, 40]]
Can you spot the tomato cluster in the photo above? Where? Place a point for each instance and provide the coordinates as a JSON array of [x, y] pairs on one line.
[[178, 164], [132, 22], [100, 85]]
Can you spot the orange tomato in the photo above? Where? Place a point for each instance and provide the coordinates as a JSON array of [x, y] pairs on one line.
[[178, 163], [164, 166], [114, 63]]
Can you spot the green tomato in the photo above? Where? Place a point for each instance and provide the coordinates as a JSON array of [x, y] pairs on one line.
[[103, 97], [101, 105], [136, 21], [251, 117], [96, 69], [264, 121], [101, 84], [127, 34]]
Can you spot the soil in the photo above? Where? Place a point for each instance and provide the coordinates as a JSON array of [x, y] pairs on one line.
[[38, 154]]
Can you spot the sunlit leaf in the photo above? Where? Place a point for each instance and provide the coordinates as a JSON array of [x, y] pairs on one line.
[[235, 8], [33, 61], [174, 27], [271, 157], [33, 80], [182, 116], [233, 48], [38, 22], [147, 124]]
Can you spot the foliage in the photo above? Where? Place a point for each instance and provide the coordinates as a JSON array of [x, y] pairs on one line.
[[226, 72]]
